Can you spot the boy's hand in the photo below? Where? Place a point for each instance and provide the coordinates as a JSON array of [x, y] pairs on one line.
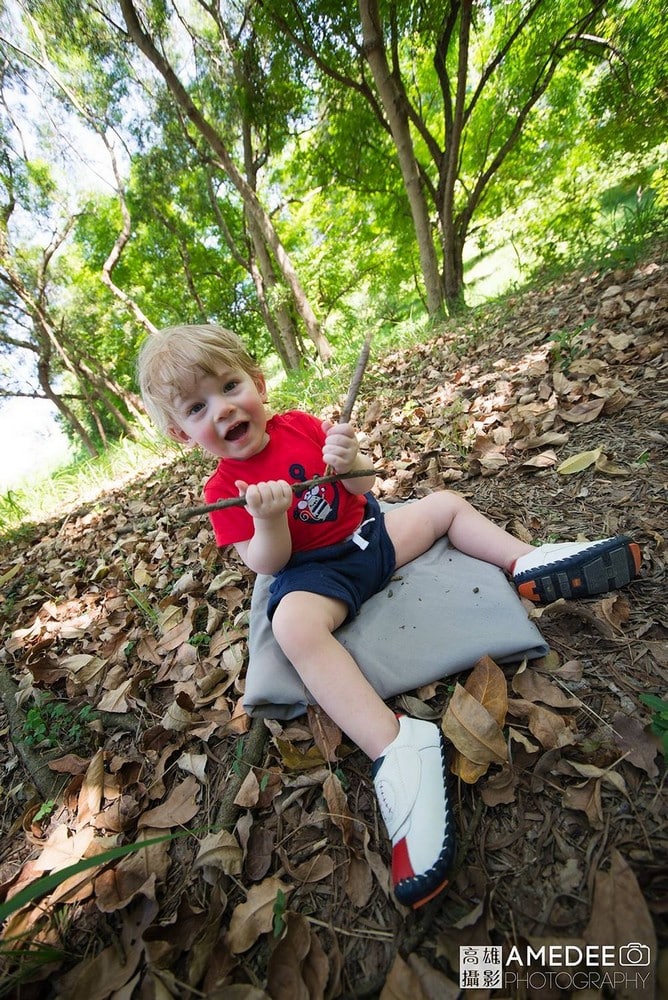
[[340, 447], [266, 500]]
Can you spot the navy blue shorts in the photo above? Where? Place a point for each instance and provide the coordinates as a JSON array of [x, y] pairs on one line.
[[345, 571]]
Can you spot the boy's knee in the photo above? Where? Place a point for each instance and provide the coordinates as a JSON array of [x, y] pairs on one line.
[[282, 624], [302, 620], [289, 626]]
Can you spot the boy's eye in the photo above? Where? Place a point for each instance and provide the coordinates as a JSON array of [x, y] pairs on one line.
[[195, 408], [232, 384]]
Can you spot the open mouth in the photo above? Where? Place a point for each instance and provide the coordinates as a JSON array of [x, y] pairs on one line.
[[237, 432]]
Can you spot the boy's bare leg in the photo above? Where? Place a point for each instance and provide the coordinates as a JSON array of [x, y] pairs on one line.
[[303, 624], [544, 573], [410, 769], [414, 527]]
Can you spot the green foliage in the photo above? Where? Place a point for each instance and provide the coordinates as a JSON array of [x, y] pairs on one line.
[[629, 102], [565, 347], [50, 723], [635, 223], [659, 724], [201, 640], [44, 810], [12, 507], [596, 215], [279, 910], [41, 184]]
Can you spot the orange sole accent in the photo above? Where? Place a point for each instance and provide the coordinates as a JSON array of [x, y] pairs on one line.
[[528, 590], [634, 549], [427, 899]]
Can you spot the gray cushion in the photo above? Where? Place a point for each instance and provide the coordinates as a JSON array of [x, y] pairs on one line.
[[437, 616]]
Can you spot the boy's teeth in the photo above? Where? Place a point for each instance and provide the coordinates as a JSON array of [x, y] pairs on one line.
[[235, 432]]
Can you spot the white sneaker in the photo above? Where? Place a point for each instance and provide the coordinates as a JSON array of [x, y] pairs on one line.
[[410, 779], [576, 569]]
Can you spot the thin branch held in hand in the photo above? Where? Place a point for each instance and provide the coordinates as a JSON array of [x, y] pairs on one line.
[[355, 384], [295, 487], [356, 380]]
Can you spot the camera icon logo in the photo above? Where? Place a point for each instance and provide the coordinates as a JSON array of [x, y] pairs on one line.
[[634, 953]]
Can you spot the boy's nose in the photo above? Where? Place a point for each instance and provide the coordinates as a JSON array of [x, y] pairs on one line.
[[223, 407]]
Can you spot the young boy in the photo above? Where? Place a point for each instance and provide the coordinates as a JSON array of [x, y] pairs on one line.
[[329, 550]]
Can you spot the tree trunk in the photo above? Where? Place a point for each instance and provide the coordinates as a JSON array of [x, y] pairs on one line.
[[65, 411], [104, 389], [453, 239], [274, 308], [453, 268], [394, 105], [253, 206]]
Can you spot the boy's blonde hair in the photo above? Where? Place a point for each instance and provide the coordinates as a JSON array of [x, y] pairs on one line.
[[173, 360]]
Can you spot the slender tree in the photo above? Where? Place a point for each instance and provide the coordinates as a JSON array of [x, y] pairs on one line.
[[33, 280], [140, 35], [454, 85]]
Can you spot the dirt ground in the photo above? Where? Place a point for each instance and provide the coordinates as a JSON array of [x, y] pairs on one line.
[[550, 413]]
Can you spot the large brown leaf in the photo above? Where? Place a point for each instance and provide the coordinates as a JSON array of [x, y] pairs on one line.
[[473, 721]]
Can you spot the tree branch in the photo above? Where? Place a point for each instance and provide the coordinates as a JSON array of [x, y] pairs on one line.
[[295, 487]]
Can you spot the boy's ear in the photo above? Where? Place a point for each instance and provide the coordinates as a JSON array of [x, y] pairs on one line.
[[261, 386], [177, 434]]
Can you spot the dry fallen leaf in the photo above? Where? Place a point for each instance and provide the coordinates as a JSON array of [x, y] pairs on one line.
[[500, 787], [326, 734], [220, 850], [298, 968], [113, 968], [487, 684], [473, 727], [256, 915], [403, 983], [586, 797], [583, 413], [338, 811], [545, 460], [178, 809], [579, 462], [638, 747], [537, 687], [619, 915], [295, 759], [552, 730]]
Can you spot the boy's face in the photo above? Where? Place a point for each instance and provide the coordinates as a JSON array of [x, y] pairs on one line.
[[223, 414]]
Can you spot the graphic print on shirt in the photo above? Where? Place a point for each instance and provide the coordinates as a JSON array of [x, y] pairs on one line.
[[318, 503]]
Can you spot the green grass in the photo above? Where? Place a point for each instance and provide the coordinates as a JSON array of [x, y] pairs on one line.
[[318, 386], [82, 481]]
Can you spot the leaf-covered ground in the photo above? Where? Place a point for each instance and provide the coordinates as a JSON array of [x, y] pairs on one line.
[[550, 413]]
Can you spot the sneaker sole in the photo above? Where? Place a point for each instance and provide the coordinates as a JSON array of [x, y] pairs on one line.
[[420, 889], [606, 566]]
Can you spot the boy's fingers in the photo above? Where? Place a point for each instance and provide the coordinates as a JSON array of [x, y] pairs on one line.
[[241, 486]]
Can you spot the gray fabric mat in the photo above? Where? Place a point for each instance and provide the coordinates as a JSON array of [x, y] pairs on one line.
[[437, 617]]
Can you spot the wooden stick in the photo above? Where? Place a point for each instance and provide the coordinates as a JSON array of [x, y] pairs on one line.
[[356, 381], [295, 487], [355, 384]]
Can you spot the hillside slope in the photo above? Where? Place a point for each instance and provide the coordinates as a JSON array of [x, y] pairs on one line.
[[124, 607]]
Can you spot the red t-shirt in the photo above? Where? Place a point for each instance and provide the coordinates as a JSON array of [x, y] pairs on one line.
[[323, 515]]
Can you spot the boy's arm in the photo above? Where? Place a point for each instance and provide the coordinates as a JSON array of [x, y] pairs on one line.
[[341, 452], [271, 545]]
